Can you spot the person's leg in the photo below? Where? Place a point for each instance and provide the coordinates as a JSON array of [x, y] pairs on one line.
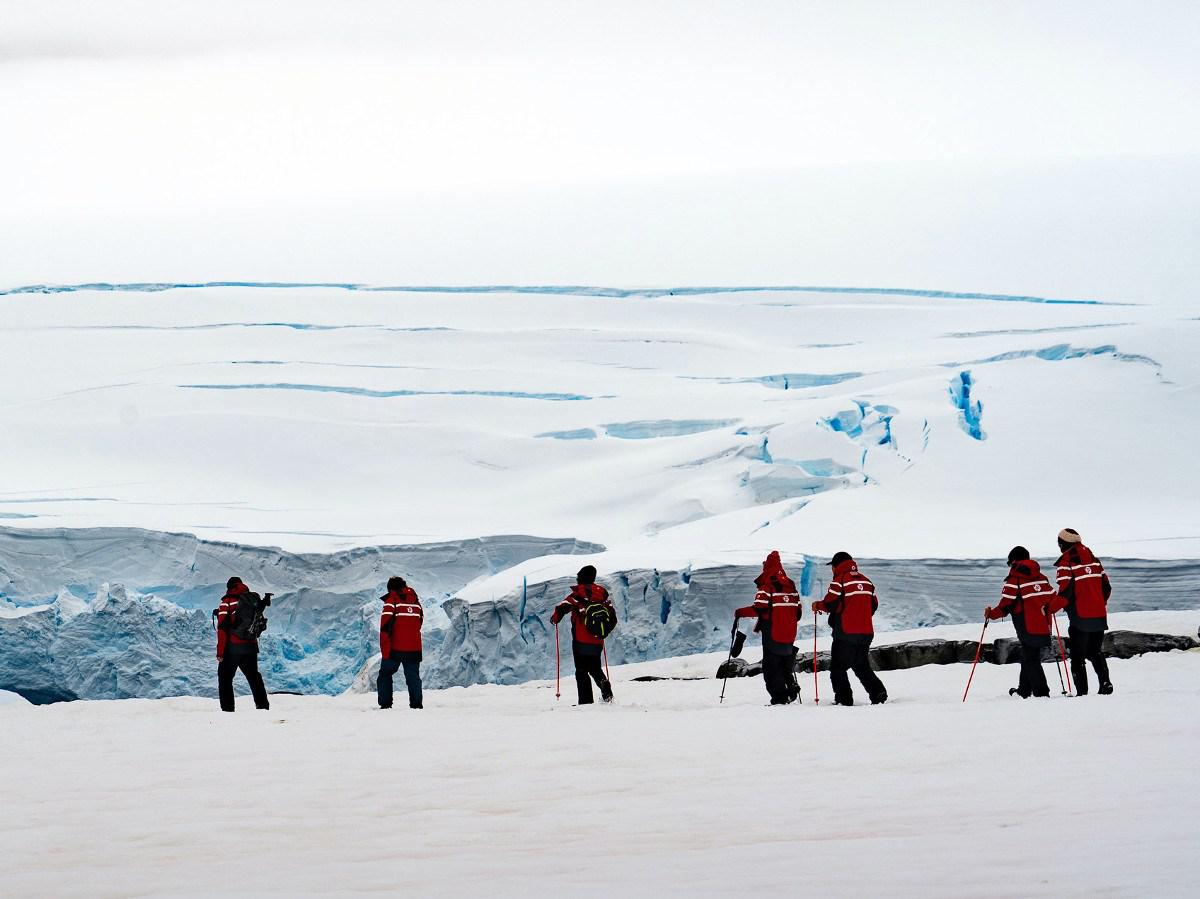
[[601, 679], [249, 665], [789, 677], [1095, 655], [839, 664], [226, 669], [1079, 650], [861, 665], [387, 669], [775, 677], [582, 680], [412, 678], [1032, 671]]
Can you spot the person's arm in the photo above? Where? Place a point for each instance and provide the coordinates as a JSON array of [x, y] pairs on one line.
[[223, 613], [1001, 609], [832, 595], [385, 625], [561, 610]]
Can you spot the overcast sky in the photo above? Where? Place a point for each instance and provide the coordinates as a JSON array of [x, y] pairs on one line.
[[621, 142]]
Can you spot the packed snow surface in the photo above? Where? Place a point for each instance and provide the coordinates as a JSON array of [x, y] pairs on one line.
[[671, 425], [501, 790]]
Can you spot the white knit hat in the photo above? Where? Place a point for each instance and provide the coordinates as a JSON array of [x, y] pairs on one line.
[[1069, 535]]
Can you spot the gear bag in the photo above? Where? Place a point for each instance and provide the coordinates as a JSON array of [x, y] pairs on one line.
[[599, 618], [248, 620]]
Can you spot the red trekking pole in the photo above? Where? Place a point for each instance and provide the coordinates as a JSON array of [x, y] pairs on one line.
[[557, 665], [604, 649], [816, 683], [978, 649], [1063, 654]]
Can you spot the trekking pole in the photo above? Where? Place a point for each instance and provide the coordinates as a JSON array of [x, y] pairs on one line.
[[725, 679], [816, 682], [978, 649], [604, 649], [557, 665], [1058, 668], [1063, 654]]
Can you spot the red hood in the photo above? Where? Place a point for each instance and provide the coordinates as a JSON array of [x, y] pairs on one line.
[[1028, 568], [845, 568], [1082, 554]]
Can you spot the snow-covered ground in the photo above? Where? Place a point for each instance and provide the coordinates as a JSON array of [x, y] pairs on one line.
[[504, 791]]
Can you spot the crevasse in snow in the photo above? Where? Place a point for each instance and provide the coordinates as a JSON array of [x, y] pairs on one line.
[[970, 411]]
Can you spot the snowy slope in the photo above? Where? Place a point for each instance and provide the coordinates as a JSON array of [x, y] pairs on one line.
[[671, 426], [502, 790]]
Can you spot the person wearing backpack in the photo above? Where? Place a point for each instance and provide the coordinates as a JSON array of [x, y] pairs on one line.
[[851, 605], [240, 621], [1084, 588], [777, 608], [1029, 598], [592, 619], [400, 642]]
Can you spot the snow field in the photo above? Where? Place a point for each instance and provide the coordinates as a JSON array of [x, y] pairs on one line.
[[503, 791], [733, 421]]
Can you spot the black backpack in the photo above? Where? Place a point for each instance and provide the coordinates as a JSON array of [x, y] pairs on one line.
[[248, 620], [599, 618]]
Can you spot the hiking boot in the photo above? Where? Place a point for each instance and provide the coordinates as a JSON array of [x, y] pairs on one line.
[[1016, 691], [879, 700], [1105, 689], [606, 692]]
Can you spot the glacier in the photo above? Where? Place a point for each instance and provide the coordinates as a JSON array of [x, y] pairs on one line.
[[112, 613], [151, 637]]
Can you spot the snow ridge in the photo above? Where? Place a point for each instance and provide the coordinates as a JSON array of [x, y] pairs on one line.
[[563, 290]]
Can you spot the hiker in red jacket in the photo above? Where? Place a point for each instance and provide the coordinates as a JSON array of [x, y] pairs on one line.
[[236, 650], [400, 642], [588, 600], [850, 603], [777, 610], [1084, 587], [1029, 598]]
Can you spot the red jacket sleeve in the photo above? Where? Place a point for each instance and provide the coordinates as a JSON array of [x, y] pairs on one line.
[[223, 613], [1000, 610], [832, 595], [1055, 604], [746, 612]]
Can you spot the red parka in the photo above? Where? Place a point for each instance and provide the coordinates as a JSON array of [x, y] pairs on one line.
[[1029, 598], [400, 624], [850, 603], [580, 597], [225, 615], [776, 604], [1083, 584]]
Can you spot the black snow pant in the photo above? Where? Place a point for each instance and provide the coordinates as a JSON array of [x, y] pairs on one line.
[[1088, 646], [1032, 681], [779, 675], [587, 669], [245, 657], [849, 655], [412, 678]]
